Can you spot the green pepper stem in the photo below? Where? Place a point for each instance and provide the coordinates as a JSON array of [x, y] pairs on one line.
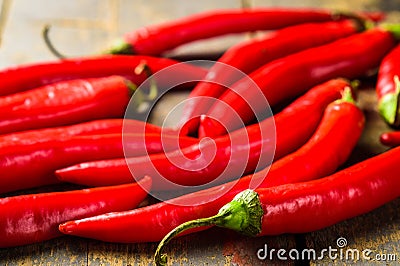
[[49, 43], [392, 28], [161, 258], [131, 87], [153, 92], [347, 96], [242, 214], [143, 99], [120, 47]]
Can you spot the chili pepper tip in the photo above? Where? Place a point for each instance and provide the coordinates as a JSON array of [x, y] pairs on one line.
[[385, 139], [243, 214], [66, 227], [208, 123]]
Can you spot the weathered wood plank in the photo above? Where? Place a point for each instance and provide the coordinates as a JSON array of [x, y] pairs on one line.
[[212, 247], [377, 231], [60, 251]]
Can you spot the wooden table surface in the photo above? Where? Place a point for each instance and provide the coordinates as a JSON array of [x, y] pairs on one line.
[[83, 27]]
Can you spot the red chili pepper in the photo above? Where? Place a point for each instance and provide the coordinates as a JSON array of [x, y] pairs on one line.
[[341, 196], [293, 75], [313, 205], [34, 218], [63, 103], [388, 87], [33, 165], [308, 206], [233, 154], [96, 127], [327, 149], [390, 138], [157, 39], [29, 76], [250, 55]]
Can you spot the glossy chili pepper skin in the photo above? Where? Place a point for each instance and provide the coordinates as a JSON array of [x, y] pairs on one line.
[[388, 87], [33, 218], [391, 139], [233, 154], [63, 103], [293, 75], [30, 76], [310, 206], [247, 56], [28, 166], [327, 149], [96, 127], [157, 39], [302, 207]]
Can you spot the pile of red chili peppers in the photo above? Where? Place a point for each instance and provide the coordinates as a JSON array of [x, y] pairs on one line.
[[257, 173]]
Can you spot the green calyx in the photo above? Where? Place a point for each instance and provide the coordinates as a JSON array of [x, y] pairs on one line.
[[243, 214], [389, 105], [120, 47], [392, 28], [347, 96]]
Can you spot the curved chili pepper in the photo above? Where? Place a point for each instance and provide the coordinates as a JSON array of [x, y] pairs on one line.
[[340, 196], [159, 38], [34, 218], [96, 127], [313, 205], [27, 166], [307, 206], [63, 103], [29, 76], [247, 56], [390, 138], [327, 149], [230, 160], [388, 87], [293, 75]]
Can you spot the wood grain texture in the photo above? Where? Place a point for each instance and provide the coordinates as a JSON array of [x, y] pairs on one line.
[[378, 231]]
